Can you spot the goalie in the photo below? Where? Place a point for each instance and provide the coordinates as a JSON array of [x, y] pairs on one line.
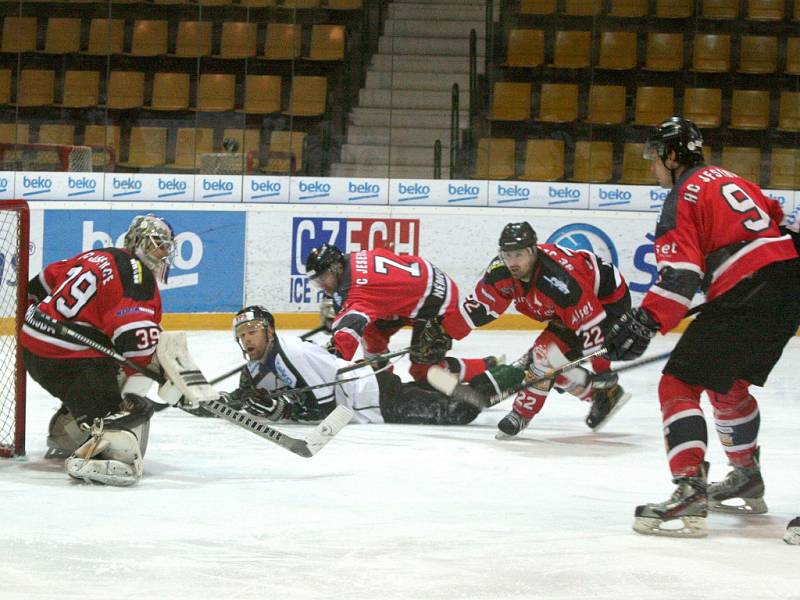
[[111, 296], [280, 362]]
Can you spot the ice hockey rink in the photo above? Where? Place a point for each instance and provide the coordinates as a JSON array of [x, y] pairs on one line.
[[399, 511]]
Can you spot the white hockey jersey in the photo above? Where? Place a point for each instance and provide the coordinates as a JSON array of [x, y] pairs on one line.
[[295, 363]]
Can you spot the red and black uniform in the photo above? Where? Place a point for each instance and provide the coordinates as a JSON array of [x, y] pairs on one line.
[[380, 292], [107, 295], [719, 233], [575, 292]]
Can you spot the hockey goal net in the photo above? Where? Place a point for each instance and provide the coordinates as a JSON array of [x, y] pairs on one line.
[[45, 157], [14, 240]]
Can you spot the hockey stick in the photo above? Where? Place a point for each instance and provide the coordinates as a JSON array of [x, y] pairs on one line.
[[306, 448]]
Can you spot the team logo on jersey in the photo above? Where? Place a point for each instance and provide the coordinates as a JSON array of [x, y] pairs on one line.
[[136, 268], [557, 284], [583, 236]]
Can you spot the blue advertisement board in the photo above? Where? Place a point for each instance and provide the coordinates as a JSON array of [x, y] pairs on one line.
[[208, 273]]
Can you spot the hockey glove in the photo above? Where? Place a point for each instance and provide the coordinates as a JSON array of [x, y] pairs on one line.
[[259, 403], [433, 344], [629, 337]]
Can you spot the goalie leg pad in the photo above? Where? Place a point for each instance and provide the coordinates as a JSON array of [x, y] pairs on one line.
[[109, 456], [180, 369], [64, 435]]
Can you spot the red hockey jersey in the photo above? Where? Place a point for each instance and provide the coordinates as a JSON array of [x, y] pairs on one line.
[[105, 294], [378, 284], [714, 230]]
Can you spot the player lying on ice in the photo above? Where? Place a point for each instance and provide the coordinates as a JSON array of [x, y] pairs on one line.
[[282, 362], [111, 296], [578, 295]]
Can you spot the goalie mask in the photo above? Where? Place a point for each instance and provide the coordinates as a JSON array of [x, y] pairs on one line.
[[152, 241], [251, 319]]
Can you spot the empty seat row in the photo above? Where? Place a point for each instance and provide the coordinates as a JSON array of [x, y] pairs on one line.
[[711, 53], [125, 90], [757, 10], [146, 147], [593, 162], [607, 105], [193, 39], [290, 4]]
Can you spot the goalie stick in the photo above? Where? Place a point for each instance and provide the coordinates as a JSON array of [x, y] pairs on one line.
[[306, 448]]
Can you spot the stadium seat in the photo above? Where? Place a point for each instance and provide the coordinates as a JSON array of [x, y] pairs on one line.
[[214, 2], [635, 168], [789, 111], [283, 41], [583, 8], [327, 42], [35, 87], [765, 10], [190, 144], [149, 38], [628, 8], [345, 4], [238, 40], [711, 53], [102, 136], [674, 9], [249, 141], [572, 49], [193, 39], [216, 92], [57, 133], [559, 102], [537, 7], [784, 168], [258, 3], [544, 160], [510, 101], [664, 52], [300, 4], [5, 86], [758, 54], [525, 48], [147, 148], [750, 109], [308, 96], [793, 54], [81, 89], [593, 162], [14, 133], [63, 36], [703, 106], [495, 158], [170, 91], [745, 162], [606, 104], [19, 34], [106, 36], [125, 90], [285, 147], [262, 94], [720, 9], [653, 105], [171, 2], [617, 50]]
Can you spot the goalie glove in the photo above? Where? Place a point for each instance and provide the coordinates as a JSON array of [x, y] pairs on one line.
[[258, 402]]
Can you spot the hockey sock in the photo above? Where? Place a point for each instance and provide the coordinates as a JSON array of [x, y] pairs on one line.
[[685, 431], [737, 420]]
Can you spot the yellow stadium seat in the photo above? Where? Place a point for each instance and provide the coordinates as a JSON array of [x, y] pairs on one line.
[[285, 153], [283, 41], [307, 97], [635, 168], [617, 50], [750, 109], [793, 54], [784, 168], [249, 141], [674, 9], [106, 37], [125, 90], [149, 38], [544, 160], [703, 106], [170, 91], [19, 34], [628, 8], [711, 53], [35, 87], [63, 35], [262, 94], [238, 40], [5, 86], [147, 148], [537, 7], [81, 89], [14, 133], [606, 104], [664, 52], [300, 4], [789, 111], [572, 49], [495, 158], [216, 92], [758, 54], [345, 4], [720, 9], [745, 162], [511, 101], [57, 133], [653, 105], [525, 48], [190, 145], [558, 103], [593, 162], [583, 8], [193, 39], [104, 140], [327, 42], [765, 10]]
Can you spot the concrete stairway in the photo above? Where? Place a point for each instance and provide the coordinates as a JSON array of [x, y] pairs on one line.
[[405, 106]]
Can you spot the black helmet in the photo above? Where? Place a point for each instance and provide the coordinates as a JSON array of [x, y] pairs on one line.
[[678, 134], [322, 259], [252, 315], [516, 236]]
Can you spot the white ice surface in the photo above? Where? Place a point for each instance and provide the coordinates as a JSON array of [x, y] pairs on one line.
[[399, 511]]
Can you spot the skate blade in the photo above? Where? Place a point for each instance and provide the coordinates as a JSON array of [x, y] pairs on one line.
[[792, 536], [620, 403], [681, 527], [503, 436], [744, 506]]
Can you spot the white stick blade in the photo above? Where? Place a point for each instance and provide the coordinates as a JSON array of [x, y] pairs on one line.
[[332, 425], [442, 380]]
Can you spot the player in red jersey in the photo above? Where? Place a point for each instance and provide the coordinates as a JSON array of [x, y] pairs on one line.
[[111, 296], [378, 292], [578, 295], [720, 233]]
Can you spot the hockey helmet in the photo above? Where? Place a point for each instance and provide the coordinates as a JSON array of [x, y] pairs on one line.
[[325, 258], [516, 236], [678, 134], [152, 240], [252, 317]]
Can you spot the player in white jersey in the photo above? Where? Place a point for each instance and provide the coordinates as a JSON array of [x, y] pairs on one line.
[[279, 362]]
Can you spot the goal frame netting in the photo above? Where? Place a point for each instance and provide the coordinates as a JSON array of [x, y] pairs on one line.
[[46, 157], [12, 443]]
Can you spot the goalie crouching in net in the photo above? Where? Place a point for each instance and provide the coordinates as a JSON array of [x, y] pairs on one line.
[[281, 362], [111, 296]]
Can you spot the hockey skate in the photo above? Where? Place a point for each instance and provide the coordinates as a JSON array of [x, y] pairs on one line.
[[605, 404], [683, 515], [511, 425], [792, 535], [741, 492]]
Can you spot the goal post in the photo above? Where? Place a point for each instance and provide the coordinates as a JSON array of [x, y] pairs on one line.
[[14, 254]]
